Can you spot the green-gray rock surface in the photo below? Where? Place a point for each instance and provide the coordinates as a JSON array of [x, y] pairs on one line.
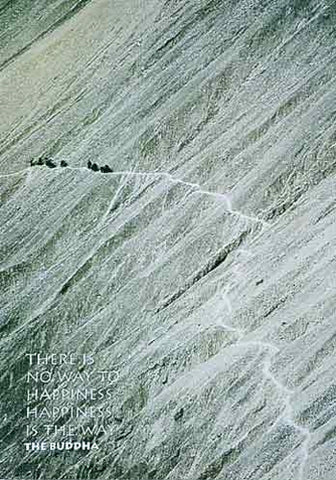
[[201, 271]]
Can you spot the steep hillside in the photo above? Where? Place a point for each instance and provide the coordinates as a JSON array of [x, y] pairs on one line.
[[201, 271]]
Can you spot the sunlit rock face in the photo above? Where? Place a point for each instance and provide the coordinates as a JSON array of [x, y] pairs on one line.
[[201, 271]]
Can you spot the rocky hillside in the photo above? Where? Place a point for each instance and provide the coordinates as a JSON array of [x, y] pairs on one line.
[[199, 269]]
